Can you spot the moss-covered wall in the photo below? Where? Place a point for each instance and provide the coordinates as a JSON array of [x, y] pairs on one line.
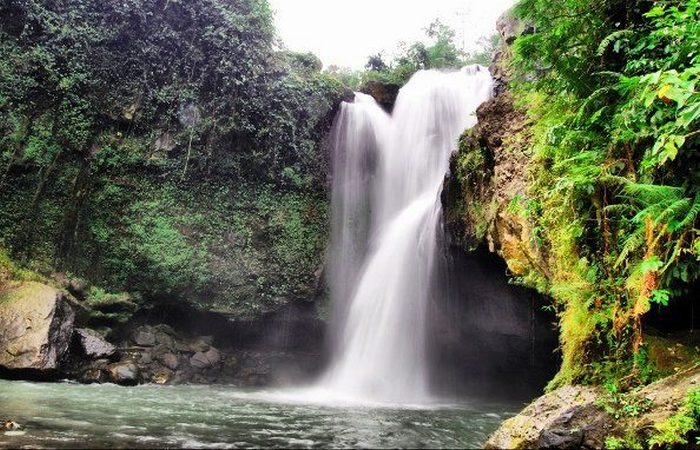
[[164, 148]]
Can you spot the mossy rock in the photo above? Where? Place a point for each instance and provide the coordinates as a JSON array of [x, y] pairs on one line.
[[36, 324]]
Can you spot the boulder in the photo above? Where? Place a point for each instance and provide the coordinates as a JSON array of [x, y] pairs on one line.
[[384, 93], [199, 360], [206, 359], [170, 360], [201, 344], [144, 337], [213, 356], [93, 345], [36, 325], [146, 358], [124, 373], [577, 417], [568, 418]]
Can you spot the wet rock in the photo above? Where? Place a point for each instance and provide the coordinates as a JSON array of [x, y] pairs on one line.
[[145, 337], [201, 344], [200, 360], [146, 358], [124, 373], [562, 419], [11, 425], [94, 375], [36, 326], [560, 439], [206, 359], [170, 360], [161, 377], [213, 356], [93, 345], [384, 93], [230, 363]]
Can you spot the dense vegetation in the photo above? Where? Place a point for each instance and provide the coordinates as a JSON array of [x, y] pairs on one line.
[[611, 92], [163, 147]]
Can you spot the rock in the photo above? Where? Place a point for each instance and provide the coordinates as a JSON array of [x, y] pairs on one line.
[[170, 360], [572, 416], [200, 360], [146, 358], [213, 356], [165, 143], [36, 325], [560, 438], [384, 93], [124, 373], [563, 419], [78, 287], [202, 344], [145, 337], [508, 27], [93, 345], [161, 377], [209, 358], [94, 375], [11, 425]]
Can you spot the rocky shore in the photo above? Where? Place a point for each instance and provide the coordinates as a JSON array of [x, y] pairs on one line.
[[44, 335], [586, 417]]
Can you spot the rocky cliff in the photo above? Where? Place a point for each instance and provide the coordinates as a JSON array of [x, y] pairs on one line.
[[496, 196]]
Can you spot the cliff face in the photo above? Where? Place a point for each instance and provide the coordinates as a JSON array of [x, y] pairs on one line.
[[484, 195], [165, 150], [488, 178]]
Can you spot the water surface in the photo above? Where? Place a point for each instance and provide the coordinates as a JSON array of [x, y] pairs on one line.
[[71, 415]]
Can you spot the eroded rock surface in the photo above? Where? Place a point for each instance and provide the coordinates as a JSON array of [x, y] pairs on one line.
[[93, 344], [574, 417], [36, 325]]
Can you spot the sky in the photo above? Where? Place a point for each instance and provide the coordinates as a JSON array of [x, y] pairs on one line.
[[346, 32]]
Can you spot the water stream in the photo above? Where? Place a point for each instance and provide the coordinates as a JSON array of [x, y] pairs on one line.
[[388, 175]]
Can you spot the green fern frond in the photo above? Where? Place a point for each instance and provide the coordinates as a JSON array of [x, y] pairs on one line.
[[613, 38]]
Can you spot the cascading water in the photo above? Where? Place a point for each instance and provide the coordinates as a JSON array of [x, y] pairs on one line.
[[388, 174]]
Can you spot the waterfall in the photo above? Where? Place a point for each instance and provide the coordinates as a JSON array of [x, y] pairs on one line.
[[387, 178]]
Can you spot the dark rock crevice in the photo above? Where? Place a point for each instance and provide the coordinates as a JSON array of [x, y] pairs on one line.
[[490, 338]]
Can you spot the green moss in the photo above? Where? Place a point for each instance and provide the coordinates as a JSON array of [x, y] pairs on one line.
[[678, 428], [631, 443], [9, 271]]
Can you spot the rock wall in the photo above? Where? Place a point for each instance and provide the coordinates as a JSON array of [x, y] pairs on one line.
[[488, 180]]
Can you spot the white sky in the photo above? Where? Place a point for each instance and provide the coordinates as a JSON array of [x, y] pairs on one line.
[[346, 32]]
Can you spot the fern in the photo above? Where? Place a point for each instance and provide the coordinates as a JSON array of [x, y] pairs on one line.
[[614, 38]]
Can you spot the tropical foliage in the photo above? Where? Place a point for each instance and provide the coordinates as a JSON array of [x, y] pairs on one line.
[[439, 50], [611, 90]]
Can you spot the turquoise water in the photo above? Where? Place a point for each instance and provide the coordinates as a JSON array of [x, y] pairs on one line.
[[71, 415]]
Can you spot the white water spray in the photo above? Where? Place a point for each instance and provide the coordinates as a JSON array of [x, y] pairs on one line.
[[388, 174]]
